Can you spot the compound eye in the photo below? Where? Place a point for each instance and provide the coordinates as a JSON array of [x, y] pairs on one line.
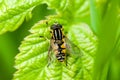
[[56, 26], [59, 25]]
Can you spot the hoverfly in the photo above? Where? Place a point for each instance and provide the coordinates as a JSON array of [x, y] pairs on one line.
[[58, 43]]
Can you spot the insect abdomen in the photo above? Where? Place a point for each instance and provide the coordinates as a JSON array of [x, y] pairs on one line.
[[60, 56]]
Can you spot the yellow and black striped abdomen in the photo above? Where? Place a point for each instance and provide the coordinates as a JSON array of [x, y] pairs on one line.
[[61, 54]]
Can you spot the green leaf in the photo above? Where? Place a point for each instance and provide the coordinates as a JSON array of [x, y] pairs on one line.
[[32, 63], [12, 13], [71, 10]]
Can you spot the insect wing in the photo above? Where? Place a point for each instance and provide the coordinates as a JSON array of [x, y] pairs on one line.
[[72, 48], [50, 52]]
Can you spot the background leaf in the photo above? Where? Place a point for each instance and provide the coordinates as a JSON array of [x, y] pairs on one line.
[[107, 31], [13, 13]]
